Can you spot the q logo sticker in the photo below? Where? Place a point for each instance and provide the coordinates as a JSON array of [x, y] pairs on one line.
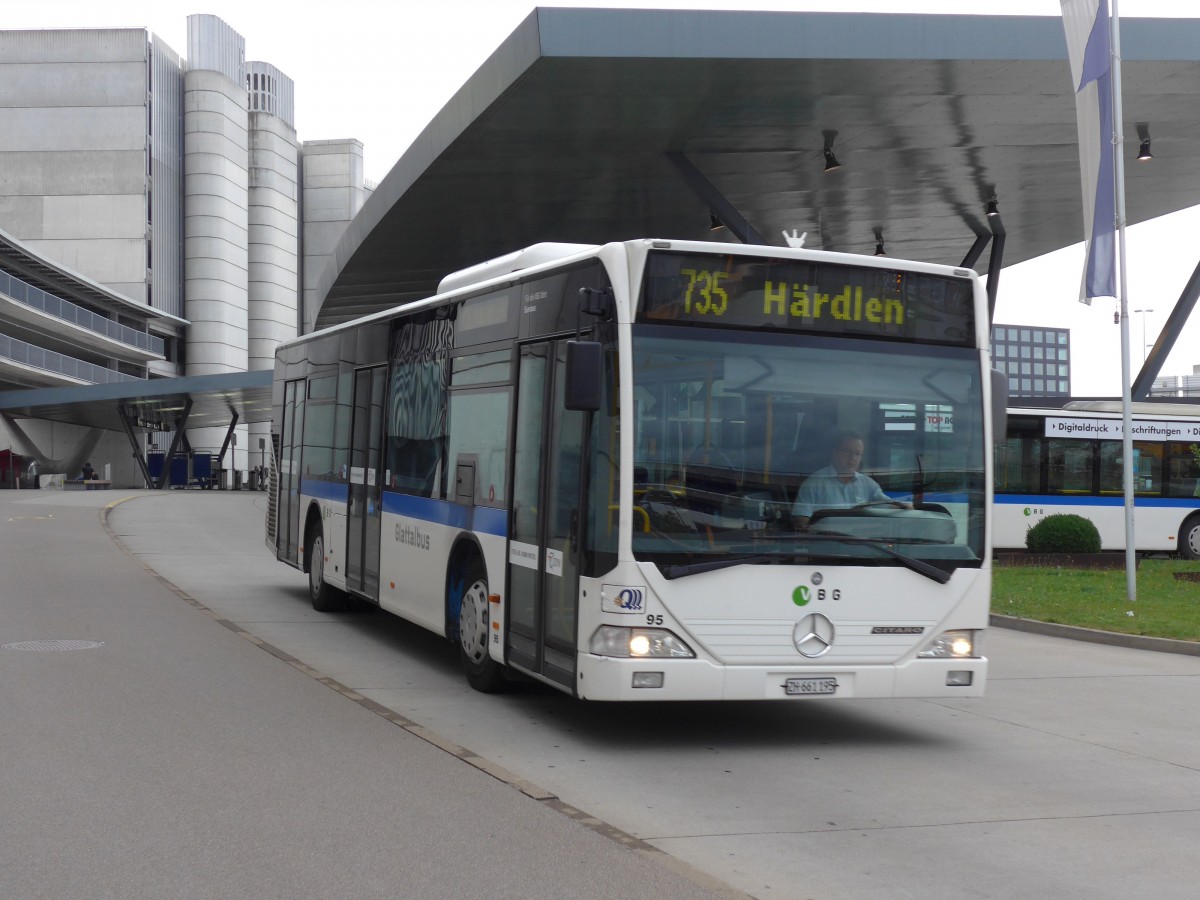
[[800, 596], [619, 598]]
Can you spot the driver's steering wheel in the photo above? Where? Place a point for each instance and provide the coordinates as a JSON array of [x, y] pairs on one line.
[[898, 504]]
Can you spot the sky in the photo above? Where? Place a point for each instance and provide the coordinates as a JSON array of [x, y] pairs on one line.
[[380, 71]]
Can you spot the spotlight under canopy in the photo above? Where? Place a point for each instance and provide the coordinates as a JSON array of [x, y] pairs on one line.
[[992, 208], [831, 163], [1144, 153], [879, 251]]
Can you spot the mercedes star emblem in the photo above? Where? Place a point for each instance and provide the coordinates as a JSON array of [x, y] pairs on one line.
[[813, 635]]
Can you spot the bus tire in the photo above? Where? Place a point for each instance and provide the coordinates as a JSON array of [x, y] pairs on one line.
[[324, 596], [473, 630], [1189, 538]]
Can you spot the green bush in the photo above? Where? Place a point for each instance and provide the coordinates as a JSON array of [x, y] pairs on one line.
[[1063, 534]]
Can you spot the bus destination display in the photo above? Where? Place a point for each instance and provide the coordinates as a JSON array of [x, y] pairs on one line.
[[807, 297]]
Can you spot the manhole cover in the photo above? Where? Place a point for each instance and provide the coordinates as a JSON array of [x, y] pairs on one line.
[[53, 645]]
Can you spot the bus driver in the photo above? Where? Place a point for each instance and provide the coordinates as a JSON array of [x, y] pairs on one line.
[[839, 485]]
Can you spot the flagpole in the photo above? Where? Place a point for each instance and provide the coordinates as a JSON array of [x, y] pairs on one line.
[[1118, 140]]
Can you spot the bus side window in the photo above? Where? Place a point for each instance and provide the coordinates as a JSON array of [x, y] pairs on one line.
[[479, 428], [1147, 468], [1070, 466], [1183, 470], [416, 442]]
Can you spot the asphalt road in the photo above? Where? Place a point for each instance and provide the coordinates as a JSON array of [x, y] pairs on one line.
[[161, 754], [228, 741]]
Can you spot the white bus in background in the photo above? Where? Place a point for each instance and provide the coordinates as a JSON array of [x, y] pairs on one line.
[[1069, 460], [578, 464]]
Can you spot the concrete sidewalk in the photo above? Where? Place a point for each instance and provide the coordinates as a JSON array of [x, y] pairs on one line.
[[160, 754]]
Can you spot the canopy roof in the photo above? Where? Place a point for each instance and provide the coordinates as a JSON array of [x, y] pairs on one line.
[[591, 125], [209, 400]]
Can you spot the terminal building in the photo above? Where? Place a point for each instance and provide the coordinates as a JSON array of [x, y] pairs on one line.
[[161, 221], [159, 217]]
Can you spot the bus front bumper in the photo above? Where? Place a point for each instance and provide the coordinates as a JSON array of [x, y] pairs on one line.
[[607, 678]]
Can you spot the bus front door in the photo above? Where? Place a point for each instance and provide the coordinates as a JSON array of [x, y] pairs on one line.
[[544, 534], [363, 514]]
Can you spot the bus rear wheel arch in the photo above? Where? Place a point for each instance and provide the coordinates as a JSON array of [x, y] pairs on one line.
[[468, 622], [1189, 537]]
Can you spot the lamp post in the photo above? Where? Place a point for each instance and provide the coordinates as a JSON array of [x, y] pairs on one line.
[[1143, 313]]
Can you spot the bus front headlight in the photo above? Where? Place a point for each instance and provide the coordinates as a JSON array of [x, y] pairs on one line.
[[950, 645], [638, 643]]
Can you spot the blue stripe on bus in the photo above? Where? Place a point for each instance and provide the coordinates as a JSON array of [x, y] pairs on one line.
[[337, 491], [491, 521], [443, 512], [1087, 500]]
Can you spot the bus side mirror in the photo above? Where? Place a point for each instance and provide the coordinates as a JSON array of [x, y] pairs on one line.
[[999, 405], [583, 374]]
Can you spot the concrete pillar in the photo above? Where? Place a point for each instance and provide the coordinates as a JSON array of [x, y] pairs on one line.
[[334, 192], [215, 223], [215, 208], [274, 236]]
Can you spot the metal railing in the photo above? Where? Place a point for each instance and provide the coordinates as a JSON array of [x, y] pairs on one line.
[[36, 298], [1176, 386], [49, 361]]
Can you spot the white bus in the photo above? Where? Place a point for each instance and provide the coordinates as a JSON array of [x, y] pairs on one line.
[[578, 463], [1069, 460]]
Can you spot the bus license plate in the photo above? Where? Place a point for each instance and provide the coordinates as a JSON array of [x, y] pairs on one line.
[[800, 686]]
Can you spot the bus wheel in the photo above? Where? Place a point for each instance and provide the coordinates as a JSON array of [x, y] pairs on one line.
[[1189, 538], [325, 597], [474, 624]]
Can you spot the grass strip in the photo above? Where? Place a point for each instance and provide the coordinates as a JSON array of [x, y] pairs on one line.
[[1166, 607]]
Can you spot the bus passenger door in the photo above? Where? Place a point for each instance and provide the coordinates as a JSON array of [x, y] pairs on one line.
[[544, 535], [363, 515], [287, 508]]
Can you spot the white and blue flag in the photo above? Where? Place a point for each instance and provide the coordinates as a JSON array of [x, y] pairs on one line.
[[1089, 47]]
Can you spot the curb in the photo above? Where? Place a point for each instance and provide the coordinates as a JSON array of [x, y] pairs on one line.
[[1091, 635]]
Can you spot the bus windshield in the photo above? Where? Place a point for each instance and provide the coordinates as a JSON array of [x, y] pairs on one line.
[[735, 439]]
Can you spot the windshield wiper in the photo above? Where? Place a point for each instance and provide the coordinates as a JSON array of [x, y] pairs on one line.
[[917, 565], [712, 565], [911, 562]]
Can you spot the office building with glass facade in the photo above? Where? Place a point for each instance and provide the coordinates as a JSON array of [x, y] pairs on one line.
[[1036, 360]]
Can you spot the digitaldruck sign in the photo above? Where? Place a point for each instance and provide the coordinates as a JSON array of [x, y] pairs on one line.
[[1113, 430]]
